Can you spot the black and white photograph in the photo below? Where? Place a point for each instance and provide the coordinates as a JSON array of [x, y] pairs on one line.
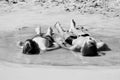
[[60, 36]]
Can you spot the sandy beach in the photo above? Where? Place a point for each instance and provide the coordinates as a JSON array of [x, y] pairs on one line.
[[17, 23], [101, 27]]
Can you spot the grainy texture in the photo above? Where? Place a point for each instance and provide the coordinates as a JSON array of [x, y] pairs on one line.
[[17, 22]]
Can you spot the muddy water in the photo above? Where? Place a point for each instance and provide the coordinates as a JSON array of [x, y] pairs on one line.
[[10, 52]]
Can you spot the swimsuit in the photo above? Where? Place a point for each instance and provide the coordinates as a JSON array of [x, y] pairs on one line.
[[70, 39]]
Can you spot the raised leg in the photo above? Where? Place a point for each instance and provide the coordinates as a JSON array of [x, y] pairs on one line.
[[72, 25], [38, 30], [74, 30], [20, 44], [49, 31], [59, 28]]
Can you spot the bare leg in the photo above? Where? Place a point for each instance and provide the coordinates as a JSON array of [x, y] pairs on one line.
[[59, 28], [49, 31], [61, 31], [20, 44], [38, 30], [74, 30], [55, 45]]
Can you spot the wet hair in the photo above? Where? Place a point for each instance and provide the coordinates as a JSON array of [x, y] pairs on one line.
[[89, 49], [31, 47]]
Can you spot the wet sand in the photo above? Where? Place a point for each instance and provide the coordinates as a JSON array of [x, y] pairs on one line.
[[101, 27]]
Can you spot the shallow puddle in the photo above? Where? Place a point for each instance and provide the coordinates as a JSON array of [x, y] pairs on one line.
[[10, 52]]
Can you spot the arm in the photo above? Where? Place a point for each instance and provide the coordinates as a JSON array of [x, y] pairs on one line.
[[56, 46], [72, 48]]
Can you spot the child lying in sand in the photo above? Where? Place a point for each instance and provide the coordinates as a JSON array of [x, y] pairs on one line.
[[39, 42], [79, 40]]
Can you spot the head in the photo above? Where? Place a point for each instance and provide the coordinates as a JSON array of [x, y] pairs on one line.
[[30, 47], [89, 48]]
